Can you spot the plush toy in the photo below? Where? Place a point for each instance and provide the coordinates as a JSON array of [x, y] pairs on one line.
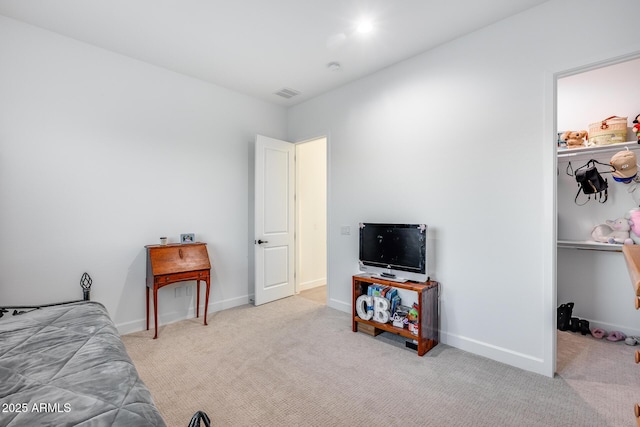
[[575, 139], [616, 231], [636, 127], [634, 223]]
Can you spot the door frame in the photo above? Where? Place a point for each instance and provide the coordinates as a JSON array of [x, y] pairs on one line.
[[311, 138], [298, 260], [550, 165]]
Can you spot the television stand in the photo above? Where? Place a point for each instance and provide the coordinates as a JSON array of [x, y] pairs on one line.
[[427, 294]]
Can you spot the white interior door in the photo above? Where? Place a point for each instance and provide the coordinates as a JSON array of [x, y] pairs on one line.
[[274, 219]]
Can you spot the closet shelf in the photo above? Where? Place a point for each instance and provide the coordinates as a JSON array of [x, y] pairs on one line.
[[590, 245], [571, 152]]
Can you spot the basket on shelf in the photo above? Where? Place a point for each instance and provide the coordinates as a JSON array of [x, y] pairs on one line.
[[612, 130]]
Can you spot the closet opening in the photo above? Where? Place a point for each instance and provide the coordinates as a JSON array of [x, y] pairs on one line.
[[590, 272]]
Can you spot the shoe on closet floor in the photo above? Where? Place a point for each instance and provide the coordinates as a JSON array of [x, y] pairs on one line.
[[574, 325], [584, 326], [616, 336], [598, 333], [564, 316]]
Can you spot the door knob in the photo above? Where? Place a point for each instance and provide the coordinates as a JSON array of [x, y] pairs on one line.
[[262, 241]]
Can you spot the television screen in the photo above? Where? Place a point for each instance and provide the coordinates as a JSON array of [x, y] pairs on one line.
[[389, 247]]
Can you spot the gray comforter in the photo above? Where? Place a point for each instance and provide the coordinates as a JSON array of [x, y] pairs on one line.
[[65, 365]]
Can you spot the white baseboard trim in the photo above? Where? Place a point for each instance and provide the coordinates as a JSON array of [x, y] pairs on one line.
[[339, 305], [166, 318], [609, 327], [499, 354], [312, 284]]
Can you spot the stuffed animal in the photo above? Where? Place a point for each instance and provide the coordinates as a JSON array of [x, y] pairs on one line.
[[634, 223], [575, 139], [636, 127], [616, 231]]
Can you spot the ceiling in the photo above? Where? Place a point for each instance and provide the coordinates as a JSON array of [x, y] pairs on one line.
[[258, 47]]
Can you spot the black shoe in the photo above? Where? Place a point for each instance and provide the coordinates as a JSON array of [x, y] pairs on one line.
[[575, 324], [564, 316], [584, 327]]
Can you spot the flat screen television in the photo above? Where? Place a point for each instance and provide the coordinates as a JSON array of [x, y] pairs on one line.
[[394, 251]]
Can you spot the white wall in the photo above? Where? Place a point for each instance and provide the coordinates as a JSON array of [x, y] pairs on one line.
[[101, 155], [594, 95], [597, 282], [311, 213], [460, 138]]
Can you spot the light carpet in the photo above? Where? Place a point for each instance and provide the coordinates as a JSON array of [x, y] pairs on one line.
[[317, 294], [295, 362]]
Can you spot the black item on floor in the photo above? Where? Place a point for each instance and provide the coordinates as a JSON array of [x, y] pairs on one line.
[[584, 327], [200, 416], [564, 316], [411, 345], [575, 324]]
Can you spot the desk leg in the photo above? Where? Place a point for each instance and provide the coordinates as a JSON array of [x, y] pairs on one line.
[[147, 307], [155, 310], [198, 298], [206, 302]]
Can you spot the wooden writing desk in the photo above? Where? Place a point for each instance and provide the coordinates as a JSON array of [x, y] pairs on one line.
[[167, 264]]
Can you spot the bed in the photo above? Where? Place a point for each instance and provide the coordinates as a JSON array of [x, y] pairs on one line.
[[65, 364]]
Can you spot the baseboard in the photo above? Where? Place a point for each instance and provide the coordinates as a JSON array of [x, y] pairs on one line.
[[175, 316], [312, 284], [339, 305], [611, 327], [504, 355], [493, 352]]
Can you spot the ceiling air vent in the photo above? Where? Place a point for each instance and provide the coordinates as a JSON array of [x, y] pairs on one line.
[[287, 93]]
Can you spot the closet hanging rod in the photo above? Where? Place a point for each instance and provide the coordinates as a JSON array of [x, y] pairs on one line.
[[595, 150]]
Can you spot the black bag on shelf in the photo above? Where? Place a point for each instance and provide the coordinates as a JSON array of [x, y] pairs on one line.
[[591, 182]]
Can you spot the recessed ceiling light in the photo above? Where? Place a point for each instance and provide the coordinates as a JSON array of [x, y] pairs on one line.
[[364, 27]]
